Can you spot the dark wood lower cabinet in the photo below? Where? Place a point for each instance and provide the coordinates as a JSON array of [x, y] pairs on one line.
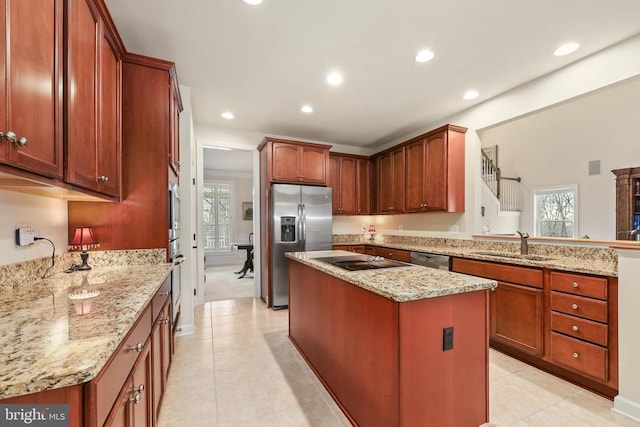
[[516, 317], [565, 323]]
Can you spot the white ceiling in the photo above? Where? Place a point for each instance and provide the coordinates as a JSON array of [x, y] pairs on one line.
[[233, 161], [264, 62]]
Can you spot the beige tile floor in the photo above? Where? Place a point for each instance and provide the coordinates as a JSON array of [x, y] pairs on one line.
[[239, 369]]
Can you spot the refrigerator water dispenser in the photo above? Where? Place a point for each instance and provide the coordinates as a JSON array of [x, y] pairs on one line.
[[287, 228]]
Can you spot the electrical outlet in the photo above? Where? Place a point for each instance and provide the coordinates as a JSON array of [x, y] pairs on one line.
[[447, 338], [25, 236]]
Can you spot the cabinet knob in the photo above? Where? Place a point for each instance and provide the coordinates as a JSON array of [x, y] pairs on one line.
[[574, 306], [575, 355], [574, 328], [136, 347], [574, 284], [139, 389], [135, 398], [103, 178], [11, 137]]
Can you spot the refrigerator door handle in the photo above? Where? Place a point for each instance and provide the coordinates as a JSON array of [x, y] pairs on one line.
[[304, 227], [299, 229]]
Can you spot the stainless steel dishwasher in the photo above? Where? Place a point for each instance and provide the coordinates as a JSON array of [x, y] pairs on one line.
[[441, 262]]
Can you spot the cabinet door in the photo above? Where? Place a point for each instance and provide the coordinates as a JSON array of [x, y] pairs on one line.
[[363, 187], [121, 414], [142, 386], [436, 173], [398, 182], [166, 329], [285, 163], [109, 112], [174, 130], [385, 183], [415, 174], [348, 185], [516, 317], [94, 102], [313, 164], [32, 50], [333, 181]]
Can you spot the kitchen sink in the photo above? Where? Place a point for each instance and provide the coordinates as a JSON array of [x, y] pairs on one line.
[[515, 256]]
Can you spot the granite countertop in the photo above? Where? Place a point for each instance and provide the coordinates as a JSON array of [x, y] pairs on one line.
[[400, 284], [585, 260], [45, 344]]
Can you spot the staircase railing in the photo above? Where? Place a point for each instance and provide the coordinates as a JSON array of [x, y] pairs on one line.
[[506, 189]]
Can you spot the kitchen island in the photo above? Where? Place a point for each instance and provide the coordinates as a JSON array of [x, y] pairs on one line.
[[375, 339]]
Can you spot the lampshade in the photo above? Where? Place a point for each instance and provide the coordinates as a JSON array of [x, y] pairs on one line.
[[83, 238], [372, 228]]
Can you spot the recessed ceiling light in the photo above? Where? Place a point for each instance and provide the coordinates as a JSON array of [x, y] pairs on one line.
[[424, 56], [227, 115], [470, 94], [334, 78], [253, 2], [307, 109], [566, 49]]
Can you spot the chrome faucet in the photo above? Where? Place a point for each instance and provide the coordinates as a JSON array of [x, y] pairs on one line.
[[635, 233], [524, 243]]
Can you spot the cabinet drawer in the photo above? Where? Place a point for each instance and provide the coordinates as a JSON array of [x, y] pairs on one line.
[[582, 357], [397, 254], [579, 306], [104, 389], [577, 284], [579, 328], [499, 272], [160, 298]]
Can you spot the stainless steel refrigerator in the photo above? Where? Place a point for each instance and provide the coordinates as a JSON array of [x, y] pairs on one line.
[[301, 221]]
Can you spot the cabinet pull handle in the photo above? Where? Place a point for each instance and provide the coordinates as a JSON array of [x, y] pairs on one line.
[[135, 398], [574, 328], [574, 284], [136, 347], [575, 355], [574, 306], [139, 389], [164, 294], [103, 178]]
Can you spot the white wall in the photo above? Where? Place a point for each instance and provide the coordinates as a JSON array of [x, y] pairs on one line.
[[628, 401], [554, 146], [48, 215]]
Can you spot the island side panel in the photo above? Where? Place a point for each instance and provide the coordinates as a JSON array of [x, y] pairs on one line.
[[349, 337], [449, 388]]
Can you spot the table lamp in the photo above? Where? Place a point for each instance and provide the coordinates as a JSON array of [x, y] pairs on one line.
[[372, 231], [83, 238]]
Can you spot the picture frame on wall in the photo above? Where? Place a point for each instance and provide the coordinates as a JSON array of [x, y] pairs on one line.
[[247, 211]]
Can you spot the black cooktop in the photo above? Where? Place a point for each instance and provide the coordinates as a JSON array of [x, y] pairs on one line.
[[361, 262]]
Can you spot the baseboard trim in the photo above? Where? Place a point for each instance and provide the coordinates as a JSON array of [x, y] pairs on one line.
[[185, 330], [626, 407]]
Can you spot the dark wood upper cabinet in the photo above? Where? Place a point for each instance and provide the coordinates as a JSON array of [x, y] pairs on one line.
[[391, 181], [31, 51], [295, 162], [175, 108], [363, 187], [93, 107], [435, 171], [342, 180], [627, 202]]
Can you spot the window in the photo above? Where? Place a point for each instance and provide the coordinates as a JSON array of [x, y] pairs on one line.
[[217, 217], [555, 213]]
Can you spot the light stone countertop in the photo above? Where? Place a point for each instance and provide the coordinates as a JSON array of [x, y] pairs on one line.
[[45, 344], [587, 260], [400, 284]]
